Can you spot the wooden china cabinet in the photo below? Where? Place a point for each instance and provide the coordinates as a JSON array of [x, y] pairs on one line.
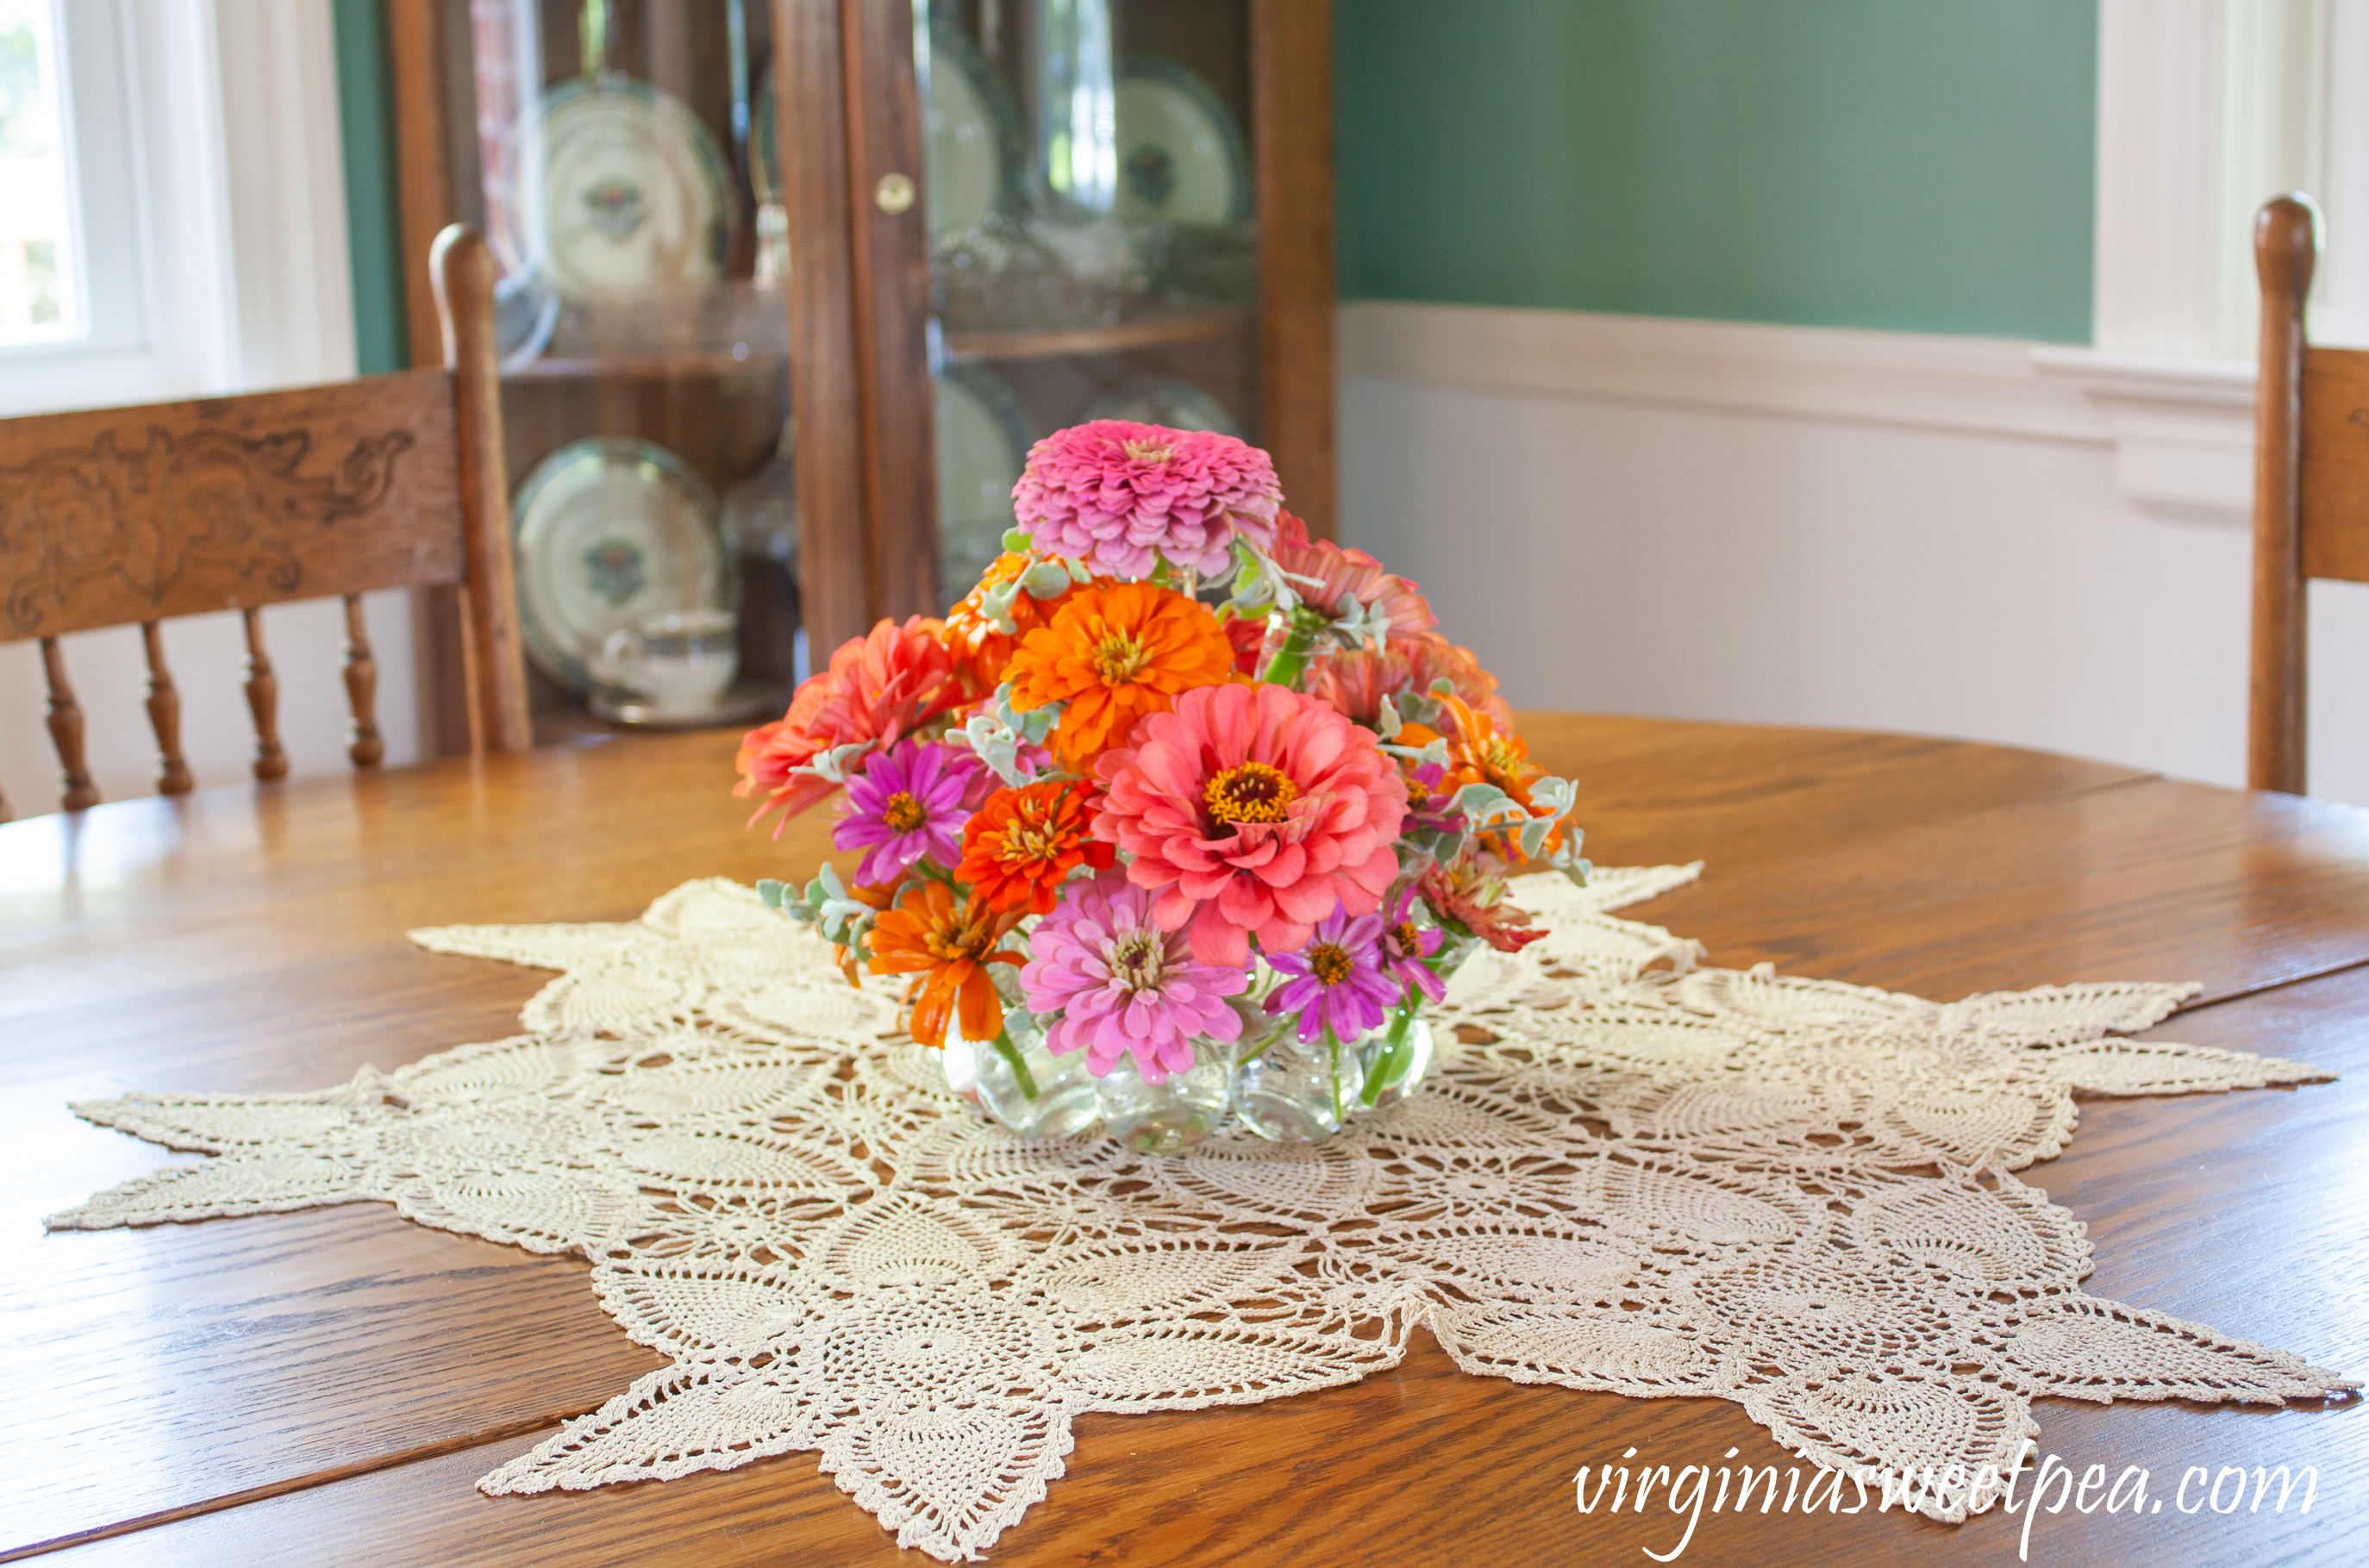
[[790, 285]]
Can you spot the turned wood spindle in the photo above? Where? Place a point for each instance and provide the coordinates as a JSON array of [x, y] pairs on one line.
[[361, 688], [165, 715], [65, 730], [263, 702]]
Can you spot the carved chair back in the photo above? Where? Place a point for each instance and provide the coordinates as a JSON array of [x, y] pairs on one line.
[[125, 516], [2311, 486]]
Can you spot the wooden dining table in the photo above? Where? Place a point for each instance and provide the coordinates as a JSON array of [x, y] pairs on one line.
[[326, 1386]]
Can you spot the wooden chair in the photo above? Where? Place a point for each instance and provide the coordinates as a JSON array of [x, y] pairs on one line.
[[2311, 486], [135, 515]]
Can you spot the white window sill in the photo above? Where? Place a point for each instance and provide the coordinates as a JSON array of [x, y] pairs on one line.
[[2183, 429]]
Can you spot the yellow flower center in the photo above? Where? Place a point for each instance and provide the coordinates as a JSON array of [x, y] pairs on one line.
[[1408, 939], [1135, 960], [1147, 452], [959, 937], [1500, 762], [1252, 791], [1025, 840], [1330, 965], [1116, 658], [903, 813]]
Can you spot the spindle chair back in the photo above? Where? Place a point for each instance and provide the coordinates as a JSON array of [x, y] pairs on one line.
[[2311, 486], [137, 515]]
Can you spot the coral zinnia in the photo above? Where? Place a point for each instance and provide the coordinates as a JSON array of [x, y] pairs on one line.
[[1473, 898], [1358, 680], [1025, 842], [877, 688], [1329, 577], [1114, 655], [1254, 812], [946, 951], [1120, 495], [907, 803], [1123, 986]]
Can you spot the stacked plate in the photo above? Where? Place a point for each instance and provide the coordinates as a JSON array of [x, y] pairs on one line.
[[611, 533]]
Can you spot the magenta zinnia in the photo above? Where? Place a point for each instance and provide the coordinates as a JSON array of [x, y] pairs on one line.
[[1405, 945], [907, 803], [1123, 496], [1337, 983], [1122, 985]]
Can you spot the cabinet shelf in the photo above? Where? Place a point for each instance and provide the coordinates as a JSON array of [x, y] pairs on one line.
[[1187, 327], [663, 366]]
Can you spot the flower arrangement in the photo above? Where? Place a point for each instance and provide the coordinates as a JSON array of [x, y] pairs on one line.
[[1179, 811]]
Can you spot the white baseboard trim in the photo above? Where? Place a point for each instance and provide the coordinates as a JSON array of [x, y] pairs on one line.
[[2181, 429]]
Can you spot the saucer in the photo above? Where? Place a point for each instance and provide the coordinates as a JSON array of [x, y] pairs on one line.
[[744, 700]]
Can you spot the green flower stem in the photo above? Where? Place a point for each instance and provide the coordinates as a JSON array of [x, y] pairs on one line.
[[1290, 660], [1333, 1049], [1019, 1065], [1401, 1040]]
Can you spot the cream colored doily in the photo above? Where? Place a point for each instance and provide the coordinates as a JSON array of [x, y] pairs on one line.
[[1648, 1177]]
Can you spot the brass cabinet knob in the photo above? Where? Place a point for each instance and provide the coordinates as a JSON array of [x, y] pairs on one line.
[[894, 194]]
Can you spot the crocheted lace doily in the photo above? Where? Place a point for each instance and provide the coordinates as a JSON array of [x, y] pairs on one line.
[[1634, 1174]]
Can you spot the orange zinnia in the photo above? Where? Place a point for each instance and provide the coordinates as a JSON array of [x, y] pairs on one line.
[[1024, 843], [875, 894], [946, 951], [1478, 754], [1114, 655], [981, 649]]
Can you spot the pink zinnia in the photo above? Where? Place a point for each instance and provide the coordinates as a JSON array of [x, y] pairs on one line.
[[1253, 811], [1119, 494], [1122, 985]]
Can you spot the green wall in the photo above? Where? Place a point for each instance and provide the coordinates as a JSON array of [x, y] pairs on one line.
[[1916, 164], [366, 125]]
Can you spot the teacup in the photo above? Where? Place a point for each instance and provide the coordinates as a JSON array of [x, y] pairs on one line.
[[681, 663]]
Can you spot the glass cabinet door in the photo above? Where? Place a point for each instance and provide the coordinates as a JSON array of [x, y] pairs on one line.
[[622, 171], [1093, 237], [955, 226]]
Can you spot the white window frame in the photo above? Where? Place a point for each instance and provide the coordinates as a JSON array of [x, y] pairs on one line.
[[2205, 109], [101, 205], [213, 129]]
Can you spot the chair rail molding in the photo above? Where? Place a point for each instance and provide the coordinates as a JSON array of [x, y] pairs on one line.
[[2181, 428]]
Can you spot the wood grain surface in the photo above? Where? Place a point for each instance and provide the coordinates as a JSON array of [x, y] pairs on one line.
[[1291, 148], [123, 515], [327, 1386], [834, 573]]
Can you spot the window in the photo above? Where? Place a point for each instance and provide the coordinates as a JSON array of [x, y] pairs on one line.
[[70, 282], [39, 252]]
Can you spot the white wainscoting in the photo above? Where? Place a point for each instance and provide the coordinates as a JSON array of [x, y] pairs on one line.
[[1804, 526]]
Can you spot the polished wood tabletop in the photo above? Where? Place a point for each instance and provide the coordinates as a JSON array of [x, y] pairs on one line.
[[326, 1386]]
